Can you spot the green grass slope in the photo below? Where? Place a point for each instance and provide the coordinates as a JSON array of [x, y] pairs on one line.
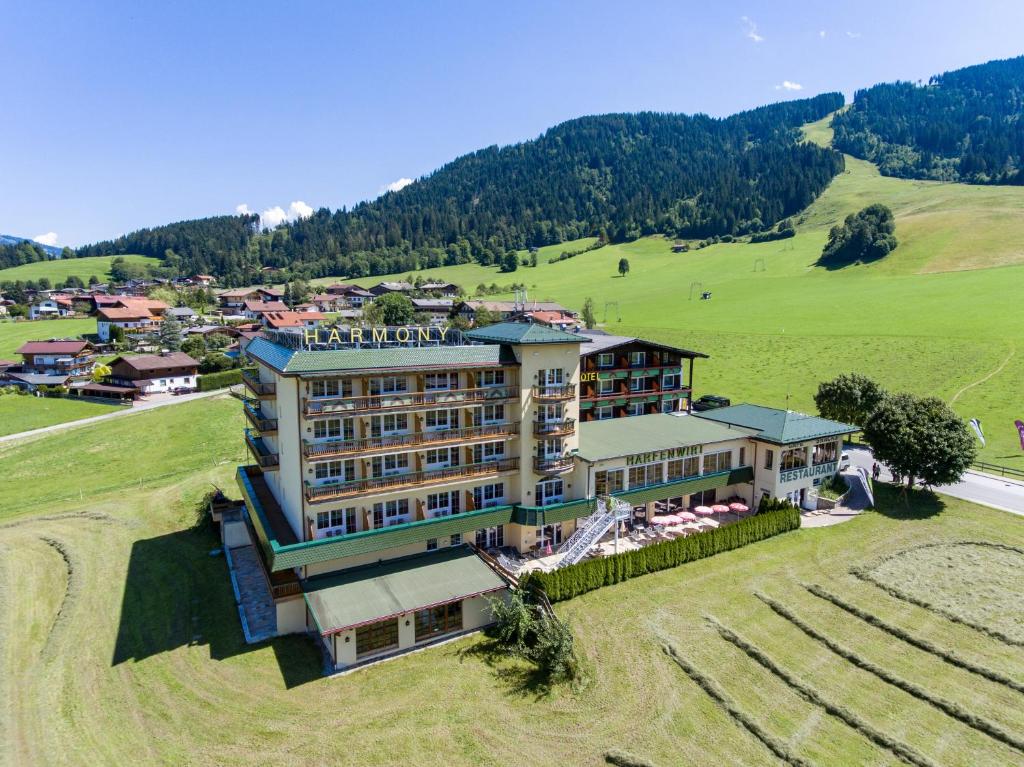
[[14, 334], [18, 413], [939, 316], [60, 269], [121, 641]]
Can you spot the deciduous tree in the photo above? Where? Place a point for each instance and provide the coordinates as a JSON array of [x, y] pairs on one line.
[[849, 398]]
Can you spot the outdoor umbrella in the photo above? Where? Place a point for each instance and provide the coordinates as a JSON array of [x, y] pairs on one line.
[[720, 508], [662, 520], [703, 511], [688, 516]]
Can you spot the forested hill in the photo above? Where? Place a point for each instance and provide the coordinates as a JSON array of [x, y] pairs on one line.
[[623, 175], [966, 125]]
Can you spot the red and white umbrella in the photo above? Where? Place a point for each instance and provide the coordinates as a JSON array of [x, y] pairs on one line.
[[739, 508], [720, 508], [703, 511], [687, 516], [666, 519]]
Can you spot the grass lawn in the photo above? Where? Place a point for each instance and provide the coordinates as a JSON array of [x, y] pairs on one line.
[[14, 334], [121, 643], [60, 269], [19, 413]]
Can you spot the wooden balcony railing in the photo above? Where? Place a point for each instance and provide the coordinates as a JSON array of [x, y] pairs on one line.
[[320, 450], [555, 428], [555, 465], [252, 382], [408, 400], [319, 493], [554, 393]]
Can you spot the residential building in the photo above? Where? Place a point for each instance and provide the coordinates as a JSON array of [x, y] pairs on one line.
[[155, 373], [441, 289], [50, 307], [382, 288], [559, 320], [136, 316], [507, 310], [353, 295], [254, 309], [627, 376], [437, 309], [72, 359], [292, 320], [386, 461]]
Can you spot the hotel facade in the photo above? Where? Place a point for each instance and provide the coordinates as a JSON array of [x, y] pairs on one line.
[[385, 465]]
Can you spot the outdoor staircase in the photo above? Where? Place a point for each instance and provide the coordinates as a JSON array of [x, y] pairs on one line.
[[593, 528]]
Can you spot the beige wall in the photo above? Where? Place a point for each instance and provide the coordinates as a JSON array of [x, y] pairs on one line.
[[291, 615]]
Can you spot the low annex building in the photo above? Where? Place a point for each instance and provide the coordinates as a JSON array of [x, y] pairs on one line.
[[390, 464], [155, 373]]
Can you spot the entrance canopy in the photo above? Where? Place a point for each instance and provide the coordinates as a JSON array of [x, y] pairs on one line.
[[369, 594]]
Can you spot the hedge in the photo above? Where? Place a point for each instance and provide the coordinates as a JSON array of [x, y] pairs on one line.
[[573, 580], [211, 381]]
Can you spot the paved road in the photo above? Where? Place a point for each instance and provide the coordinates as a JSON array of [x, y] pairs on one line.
[[983, 489], [151, 403]]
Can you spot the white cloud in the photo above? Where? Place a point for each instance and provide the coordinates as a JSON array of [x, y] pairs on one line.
[[751, 29], [786, 85], [50, 238], [852, 35], [299, 209], [272, 217], [395, 186], [821, 33], [243, 210]]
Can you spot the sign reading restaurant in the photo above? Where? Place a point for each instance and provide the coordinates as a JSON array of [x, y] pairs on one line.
[[807, 472], [663, 455]]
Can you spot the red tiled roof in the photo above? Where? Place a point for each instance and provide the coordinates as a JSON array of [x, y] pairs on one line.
[[52, 347], [265, 306], [113, 313], [290, 319]]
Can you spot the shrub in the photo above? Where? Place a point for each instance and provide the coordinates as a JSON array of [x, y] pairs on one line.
[[211, 381], [573, 580]]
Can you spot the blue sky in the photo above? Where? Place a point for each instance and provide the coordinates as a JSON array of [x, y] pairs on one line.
[[125, 115]]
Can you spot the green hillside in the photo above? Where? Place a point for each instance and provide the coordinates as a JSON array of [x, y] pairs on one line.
[[14, 334], [60, 269], [938, 316]]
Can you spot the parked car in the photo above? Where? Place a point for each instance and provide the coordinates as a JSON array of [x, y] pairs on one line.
[[711, 402], [181, 390], [844, 462]]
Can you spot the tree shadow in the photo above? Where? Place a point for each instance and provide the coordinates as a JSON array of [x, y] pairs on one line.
[[515, 676], [176, 594], [896, 502]]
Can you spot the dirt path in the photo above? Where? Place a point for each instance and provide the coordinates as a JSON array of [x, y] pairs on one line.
[[995, 372]]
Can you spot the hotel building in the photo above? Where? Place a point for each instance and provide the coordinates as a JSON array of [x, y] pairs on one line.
[[385, 465]]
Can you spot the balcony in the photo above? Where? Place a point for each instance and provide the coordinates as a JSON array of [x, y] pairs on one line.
[[408, 400], [316, 451], [558, 464], [265, 457], [561, 428], [261, 389], [254, 414], [319, 493], [554, 393]]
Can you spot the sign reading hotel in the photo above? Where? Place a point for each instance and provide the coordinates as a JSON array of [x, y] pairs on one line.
[[663, 455], [807, 472], [368, 338]]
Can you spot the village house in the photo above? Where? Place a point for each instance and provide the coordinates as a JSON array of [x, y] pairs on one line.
[[288, 320], [234, 300], [55, 305], [437, 309], [136, 316], [382, 288], [441, 289], [58, 357], [155, 373], [354, 296], [254, 309], [554, 319], [506, 310]]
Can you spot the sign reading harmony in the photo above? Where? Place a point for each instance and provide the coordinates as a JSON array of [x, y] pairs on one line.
[[663, 455], [376, 337], [806, 472]]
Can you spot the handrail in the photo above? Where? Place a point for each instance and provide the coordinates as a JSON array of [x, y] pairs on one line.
[[264, 457], [995, 468], [565, 426], [257, 419], [558, 391], [545, 465], [346, 446], [315, 493], [398, 400], [251, 379]]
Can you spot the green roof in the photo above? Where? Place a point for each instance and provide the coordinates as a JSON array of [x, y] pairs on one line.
[[369, 594], [779, 426], [299, 362], [522, 333], [616, 437]]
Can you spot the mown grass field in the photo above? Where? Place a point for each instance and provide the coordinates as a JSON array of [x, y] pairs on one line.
[[120, 642], [14, 334], [60, 269], [941, 315], [22, 413]]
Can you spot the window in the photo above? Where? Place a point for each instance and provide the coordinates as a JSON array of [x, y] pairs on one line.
[[456, 539], [743, 456], [637, 359], [721, 461], [435, 621], [635, 408], [549, 535], [668, 406], [336, 521], [550, 377], [441, 381], [431, 544], [549, 413], [343, 470], [492, 378], [670, 381], [606, 360], [488, 414], [332, 388], [376, 637], [443, 504], [705, 498], [486, 496], [491, 537], [390, 513], [796, 458], [488, 451], [389, 385], [333, 428], [439, 420], [608, 482], [636, 384], [386, 465], [769, 459], [549, 491], [550, 448], [604, 412], [393, 423], [824, 452], [441, 457], [606, 386], [674, 470], [641, 476]]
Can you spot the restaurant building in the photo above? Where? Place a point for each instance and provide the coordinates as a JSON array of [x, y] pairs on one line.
[[388, 461]]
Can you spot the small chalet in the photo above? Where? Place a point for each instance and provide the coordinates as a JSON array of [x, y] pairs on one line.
[[382, 288], [353, 295], [154, 373], [255, 309], [67, 358], [442, 289], [292, 320]]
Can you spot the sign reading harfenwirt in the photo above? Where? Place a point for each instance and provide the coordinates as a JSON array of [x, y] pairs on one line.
[[663, 455], [808, 472]]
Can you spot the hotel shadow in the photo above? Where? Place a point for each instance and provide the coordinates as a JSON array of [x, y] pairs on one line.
[[177, 595]]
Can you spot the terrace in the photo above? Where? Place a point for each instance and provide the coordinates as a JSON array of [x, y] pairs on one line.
[[554, 393], [560, 428], [316, 451], [254, 414], [408, 400], [252, 382], [265, 457]]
